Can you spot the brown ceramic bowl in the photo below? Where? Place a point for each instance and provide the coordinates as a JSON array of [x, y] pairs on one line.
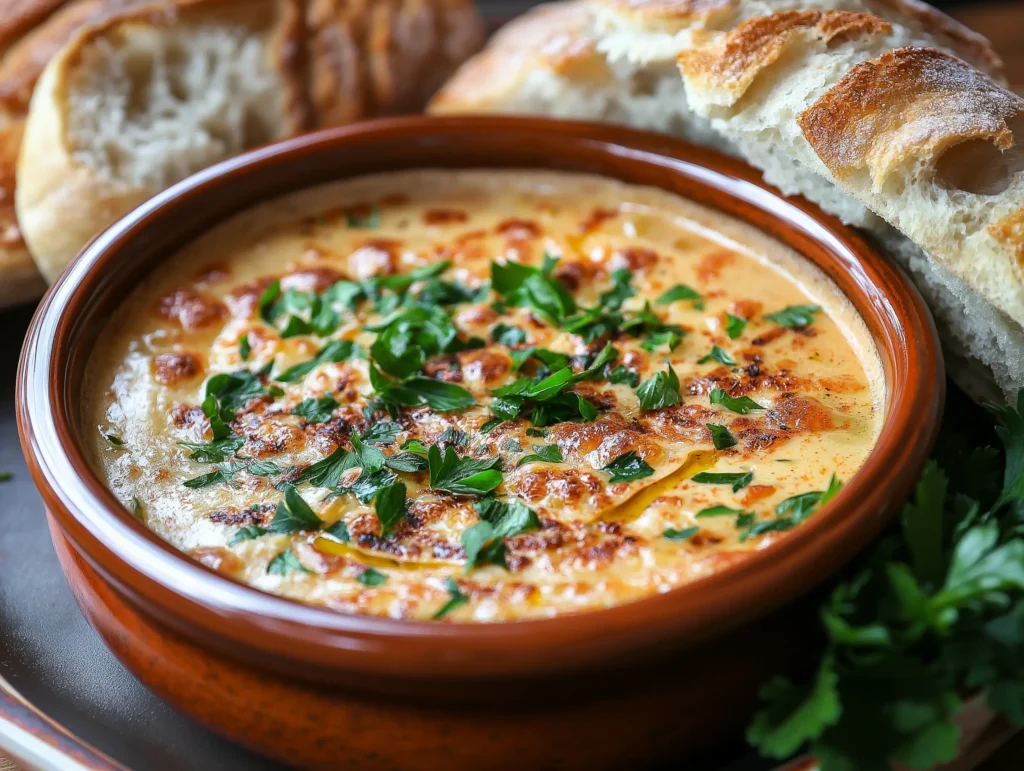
[[314, 687]]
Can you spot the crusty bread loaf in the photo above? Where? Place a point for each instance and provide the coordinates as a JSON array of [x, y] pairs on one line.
[[885, 112], [150, 95]]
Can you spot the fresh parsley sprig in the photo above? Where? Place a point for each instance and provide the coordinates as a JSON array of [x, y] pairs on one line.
[[935, 615]]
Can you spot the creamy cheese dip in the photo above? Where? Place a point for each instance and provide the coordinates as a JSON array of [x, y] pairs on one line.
[[659, 392]]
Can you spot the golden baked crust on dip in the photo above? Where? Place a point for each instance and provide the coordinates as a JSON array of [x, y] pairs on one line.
[[480, 395]]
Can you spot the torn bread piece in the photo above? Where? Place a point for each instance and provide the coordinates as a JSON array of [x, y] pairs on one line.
[[884, 112]]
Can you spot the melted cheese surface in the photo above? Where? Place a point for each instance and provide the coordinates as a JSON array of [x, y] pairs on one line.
[[819, 386]]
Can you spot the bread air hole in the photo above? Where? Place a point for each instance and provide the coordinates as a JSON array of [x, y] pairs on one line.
[[978, 166]]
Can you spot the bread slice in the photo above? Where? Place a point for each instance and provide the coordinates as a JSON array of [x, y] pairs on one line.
[[30, 33], [144, 97], [881, 111], [142, 100]]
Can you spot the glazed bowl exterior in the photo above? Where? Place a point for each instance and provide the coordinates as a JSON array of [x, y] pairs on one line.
[[320, 688]]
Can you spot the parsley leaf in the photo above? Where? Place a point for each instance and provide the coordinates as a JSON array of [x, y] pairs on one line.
[[662, 390], [226, 472], [734, 326], [327, 471], [738, 480], [508, 336], [628, 467], [244, 349], [333, 352], [484, 542], [371, 577], [247, 533], [549, 453], [456, 599], [534, 288], [741, 404], [621, 290], [114, 440], [794, 316], [316, 410], [383, 432], [622, 376], [389, 504], [362, 216], [339, 530], [217, 451], [680, 292], [680, 535], [462, 476], [293, 515], [717, 354], [721, 436], [284, 563]]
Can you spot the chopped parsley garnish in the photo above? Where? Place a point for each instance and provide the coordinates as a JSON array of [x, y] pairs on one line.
[[547, 400], [741, 404], [244, 349], [406, 462], [549, 360], [508, 336], [228, 392], [6, 476], [440, 396], [390, 506], [734, 326], [622, 376], [333, 352], [454, 437], [627, 468], [738, 480], [316, 410], [456, 599], [462, 476], [362, 216], [284, 563], [371, 577], [659, 391], [407, 339], [680, 292], [522, 286], [542, 454], [484, 542], [138, 509], [225, 472], [326, 472], [490, 425], [384, 432], [719, 355], [114, 440], [681, 535], [721, 436], [294, 515], [794, 316], [339, 530], [720, 511], [621, 290], [217, 451], [247, 533]]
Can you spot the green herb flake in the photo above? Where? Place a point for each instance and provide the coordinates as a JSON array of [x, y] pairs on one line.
[[738, 480], [680, 535], [627, 468], [734, 326], [719, 355], [362, 216], [794, 316], [114, 440], [679, 292], [371, 577], [284, 563], [390, 505], [542, 454], [508, 336], [316, 410], [742, 404], [247, 533], [484, 542], [721, 436], [244, 349], [720, 511], [294, 515], [659, 391], [456, 599], [339, 531], [462, 476]]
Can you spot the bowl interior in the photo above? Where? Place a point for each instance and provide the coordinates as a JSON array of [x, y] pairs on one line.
[[203, 603]]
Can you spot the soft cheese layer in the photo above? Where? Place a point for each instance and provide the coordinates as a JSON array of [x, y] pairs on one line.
[[581, 393]]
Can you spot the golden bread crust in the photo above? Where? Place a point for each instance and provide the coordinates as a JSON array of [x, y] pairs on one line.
[[671, 15], [731, 62], [380, 57], [1009, 233], [907, 105], [19, 16], [556, 37]]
